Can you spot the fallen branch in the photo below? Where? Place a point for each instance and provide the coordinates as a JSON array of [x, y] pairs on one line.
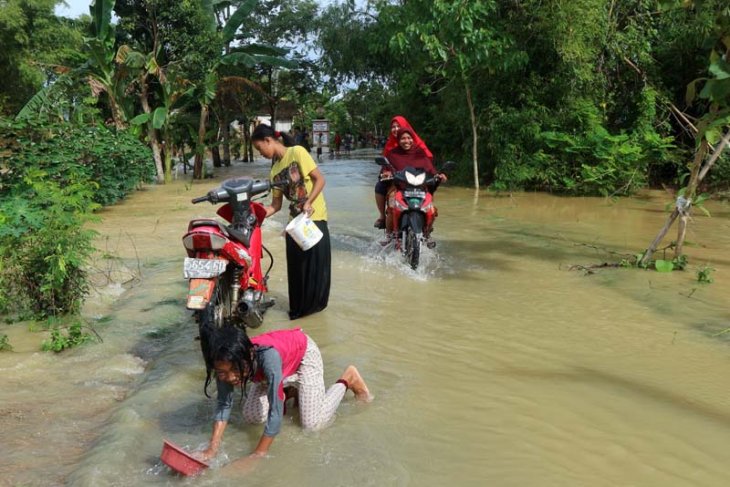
[[591, 269]]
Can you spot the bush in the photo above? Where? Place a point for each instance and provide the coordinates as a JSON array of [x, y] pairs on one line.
[[52, 178], [116, 161], [44, 246], [587, 159], [69, 336]]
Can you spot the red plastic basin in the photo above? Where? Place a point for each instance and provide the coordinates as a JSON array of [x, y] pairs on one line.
[[179, 460]]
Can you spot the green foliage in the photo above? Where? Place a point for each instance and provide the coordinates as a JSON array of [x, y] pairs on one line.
[[51, 181], [36, 48], [704, 274], [43, 245], [5, 345], [663, 265], [571, 97], [589, 160], [65, 337], [660, 265], [114, 161]]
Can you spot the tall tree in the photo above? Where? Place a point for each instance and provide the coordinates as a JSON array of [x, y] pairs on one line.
[[714, 128], [36, 48]]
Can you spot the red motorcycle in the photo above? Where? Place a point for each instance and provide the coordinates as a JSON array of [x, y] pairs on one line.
[[227, 285], [409, 208]]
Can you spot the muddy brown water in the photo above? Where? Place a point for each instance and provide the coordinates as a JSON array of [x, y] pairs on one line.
[[493, 364]]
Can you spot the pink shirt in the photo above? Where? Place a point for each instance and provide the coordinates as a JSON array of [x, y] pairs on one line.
[[291, 346]]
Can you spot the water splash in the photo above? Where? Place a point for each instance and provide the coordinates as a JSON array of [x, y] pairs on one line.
[[382, 252]]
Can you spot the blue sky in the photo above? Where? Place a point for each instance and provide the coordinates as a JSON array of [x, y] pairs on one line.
[[74, 8], [79, 7]]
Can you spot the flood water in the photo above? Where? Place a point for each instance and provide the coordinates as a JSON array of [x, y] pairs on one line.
[[493, 364]]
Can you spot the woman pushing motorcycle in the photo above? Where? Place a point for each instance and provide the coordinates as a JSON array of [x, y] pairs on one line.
[[308, 271]]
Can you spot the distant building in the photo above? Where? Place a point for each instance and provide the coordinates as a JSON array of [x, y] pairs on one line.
[[284, 116]]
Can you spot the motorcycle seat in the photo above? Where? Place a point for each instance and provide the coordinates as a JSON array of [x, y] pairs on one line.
[[209, 222]]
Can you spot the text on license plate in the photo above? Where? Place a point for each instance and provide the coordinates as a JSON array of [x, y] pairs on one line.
[[203, 268]]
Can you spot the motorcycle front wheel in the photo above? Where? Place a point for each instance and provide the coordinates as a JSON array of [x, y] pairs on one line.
[[412, 247]]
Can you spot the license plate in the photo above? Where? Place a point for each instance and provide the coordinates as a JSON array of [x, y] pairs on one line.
[[203, 268], [414, 194]]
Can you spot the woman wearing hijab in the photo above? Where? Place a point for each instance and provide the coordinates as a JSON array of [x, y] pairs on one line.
[[381, 187]]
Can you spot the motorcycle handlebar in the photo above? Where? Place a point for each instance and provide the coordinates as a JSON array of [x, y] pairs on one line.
[[261, 186], [200, 199]]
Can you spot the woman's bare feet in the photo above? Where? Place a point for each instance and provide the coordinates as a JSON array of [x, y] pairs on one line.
[[357, 384]]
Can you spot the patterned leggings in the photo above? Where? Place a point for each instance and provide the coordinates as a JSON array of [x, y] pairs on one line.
[[316, 407]]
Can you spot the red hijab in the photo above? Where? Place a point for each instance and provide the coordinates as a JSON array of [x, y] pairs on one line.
[[392, 141], [414, 157]]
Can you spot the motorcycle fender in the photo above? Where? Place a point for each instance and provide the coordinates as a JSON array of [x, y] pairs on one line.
[[200, 292], [414, 219]]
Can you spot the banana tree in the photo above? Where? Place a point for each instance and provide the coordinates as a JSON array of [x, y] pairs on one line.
[[234, 56], [101, 69], [157, 118], [205, 92]]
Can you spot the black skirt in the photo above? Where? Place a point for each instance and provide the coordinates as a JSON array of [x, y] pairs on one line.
[[309, 273]]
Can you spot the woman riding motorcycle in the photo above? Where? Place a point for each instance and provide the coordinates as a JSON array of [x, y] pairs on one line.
[[381, 187], [407, 154]]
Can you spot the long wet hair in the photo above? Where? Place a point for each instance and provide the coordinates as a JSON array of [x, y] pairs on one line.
[[262, 131], [230, 344]]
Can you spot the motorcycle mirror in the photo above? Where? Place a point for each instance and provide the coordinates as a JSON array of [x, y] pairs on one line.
[[381, 161], [448, 166]]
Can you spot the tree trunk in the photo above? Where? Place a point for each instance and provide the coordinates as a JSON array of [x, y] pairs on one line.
[[247, 150], [200, 147], [697, 174], [226, 138], [474, 152], [695, 179], [167, 154], [156, 153], [244, 140], [152, 134], [117, 114], [657, 240], [215, 153]]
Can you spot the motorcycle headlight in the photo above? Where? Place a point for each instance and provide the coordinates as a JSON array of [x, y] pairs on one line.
[[415, 180]]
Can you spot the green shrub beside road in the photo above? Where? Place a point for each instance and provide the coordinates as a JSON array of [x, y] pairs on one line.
[[52, 178]]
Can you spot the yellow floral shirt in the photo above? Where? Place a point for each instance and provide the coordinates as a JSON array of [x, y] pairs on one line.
[[294, 169]]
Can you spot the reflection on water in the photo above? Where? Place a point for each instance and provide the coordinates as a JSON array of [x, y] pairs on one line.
[[492, 364]]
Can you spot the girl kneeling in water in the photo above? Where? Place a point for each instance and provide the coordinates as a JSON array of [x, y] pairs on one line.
[[267, 361]]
